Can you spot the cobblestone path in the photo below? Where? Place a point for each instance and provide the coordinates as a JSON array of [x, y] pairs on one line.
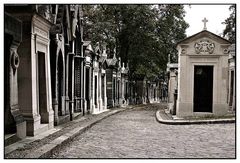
[[135, 133]]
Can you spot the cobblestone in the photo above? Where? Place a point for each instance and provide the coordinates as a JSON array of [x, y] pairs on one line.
[[64, 128], [136, 134]]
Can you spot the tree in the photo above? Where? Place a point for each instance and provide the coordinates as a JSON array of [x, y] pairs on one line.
[[143, 35], [230, 29]]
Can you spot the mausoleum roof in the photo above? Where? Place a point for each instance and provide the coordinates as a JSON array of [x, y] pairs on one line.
[[204, 33]]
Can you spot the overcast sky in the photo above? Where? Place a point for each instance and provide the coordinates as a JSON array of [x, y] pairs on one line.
[[215, 15]]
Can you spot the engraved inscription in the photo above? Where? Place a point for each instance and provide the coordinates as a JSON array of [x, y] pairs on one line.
[[41, 32]]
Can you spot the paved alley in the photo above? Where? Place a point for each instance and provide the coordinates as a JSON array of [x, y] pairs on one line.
[[135, 133]]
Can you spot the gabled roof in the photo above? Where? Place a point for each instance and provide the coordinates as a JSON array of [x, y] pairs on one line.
[[204, 33]]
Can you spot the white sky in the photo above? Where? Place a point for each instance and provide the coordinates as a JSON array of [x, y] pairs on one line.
[[215, 14]]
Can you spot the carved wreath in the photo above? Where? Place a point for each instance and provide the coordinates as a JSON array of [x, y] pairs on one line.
[[14, 59], [204, 46]]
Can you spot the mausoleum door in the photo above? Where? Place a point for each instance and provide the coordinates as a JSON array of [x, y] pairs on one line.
[[42, 86], [114, 90], [231, 87], [103, 88], [87, 89], [77, 83], [203, 88]]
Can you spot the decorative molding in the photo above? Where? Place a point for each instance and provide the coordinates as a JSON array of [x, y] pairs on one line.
[[41, 32], [225, 51], [39, 21], [204, 46]]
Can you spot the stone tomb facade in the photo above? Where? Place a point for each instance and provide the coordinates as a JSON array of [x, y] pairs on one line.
[[14, 122], [172, 70], [203, 75], [111, 70], [124, 85], [232, 79], [34, 80], [99, 81]]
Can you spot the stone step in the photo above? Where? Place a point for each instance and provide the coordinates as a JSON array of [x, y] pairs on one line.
[[63, 119], [42, 128], [76, 114], [10, 139]]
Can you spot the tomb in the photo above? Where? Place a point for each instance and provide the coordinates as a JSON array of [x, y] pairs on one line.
[[88, 82], [99, 80], [172, 70], [34, 93], [202, 75], [232, 79], [14, 122], [111, 79]]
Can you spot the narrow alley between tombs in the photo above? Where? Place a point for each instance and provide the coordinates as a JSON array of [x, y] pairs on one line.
[[92, 80]]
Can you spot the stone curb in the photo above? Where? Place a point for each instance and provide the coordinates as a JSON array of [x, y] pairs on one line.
[[188, 122], [47, 149]]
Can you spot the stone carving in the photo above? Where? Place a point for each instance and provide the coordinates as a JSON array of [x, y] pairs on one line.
[[44, 10], [41, 32], [225, 51], [60, 37], [14, 57], [183, 51], [204, 46]]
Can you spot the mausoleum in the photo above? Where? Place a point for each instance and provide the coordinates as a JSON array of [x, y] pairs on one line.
[[202, 75]]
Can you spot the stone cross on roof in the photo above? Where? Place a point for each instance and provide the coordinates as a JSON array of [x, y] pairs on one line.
[[205, 23]]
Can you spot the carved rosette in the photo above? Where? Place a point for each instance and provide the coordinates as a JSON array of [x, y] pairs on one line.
[[204, 46], [225, 51], [183, 51]]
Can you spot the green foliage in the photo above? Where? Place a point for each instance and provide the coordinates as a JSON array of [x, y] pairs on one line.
[[230, 29], [143, 35]]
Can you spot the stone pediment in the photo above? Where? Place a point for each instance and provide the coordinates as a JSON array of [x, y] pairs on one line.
[[202, 34], [203, 43]]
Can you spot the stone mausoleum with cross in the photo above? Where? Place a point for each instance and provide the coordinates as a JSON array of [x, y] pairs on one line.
[[202, 75]]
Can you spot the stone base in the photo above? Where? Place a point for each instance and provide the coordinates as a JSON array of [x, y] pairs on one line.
[[35, 127], [154, 101], [220, 109], [21, 130], [100, 111], [67, 105], [48, 118], [170, 108], [63, 119], [10, 139], [186, 110]]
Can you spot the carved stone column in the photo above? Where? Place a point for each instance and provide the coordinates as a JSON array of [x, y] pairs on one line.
[[67, 74], [14, 107]]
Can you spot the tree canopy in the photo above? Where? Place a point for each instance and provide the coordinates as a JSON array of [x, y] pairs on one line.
[[230, 29], [143, 35]]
